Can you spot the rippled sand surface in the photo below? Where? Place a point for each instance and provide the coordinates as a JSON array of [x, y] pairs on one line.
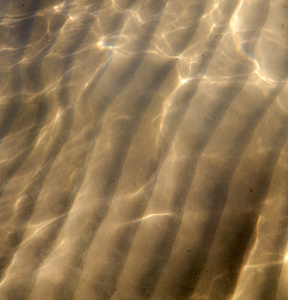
[[143, 149]]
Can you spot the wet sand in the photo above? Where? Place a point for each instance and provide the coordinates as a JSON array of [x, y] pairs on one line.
[[143, 150]]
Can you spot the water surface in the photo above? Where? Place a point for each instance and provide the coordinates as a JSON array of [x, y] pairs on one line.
[[143, 149]]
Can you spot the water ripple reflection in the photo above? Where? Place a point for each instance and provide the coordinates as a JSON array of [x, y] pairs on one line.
[[143, 149]]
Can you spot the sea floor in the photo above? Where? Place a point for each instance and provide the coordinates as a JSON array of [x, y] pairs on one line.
[[143, 149]]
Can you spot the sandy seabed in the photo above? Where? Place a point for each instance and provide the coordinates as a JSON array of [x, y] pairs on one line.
[[143, 149]]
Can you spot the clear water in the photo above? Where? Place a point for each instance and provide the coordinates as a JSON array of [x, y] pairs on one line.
[[143, 149]]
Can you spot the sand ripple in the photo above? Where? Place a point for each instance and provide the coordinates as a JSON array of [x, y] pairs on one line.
[[143, 149]]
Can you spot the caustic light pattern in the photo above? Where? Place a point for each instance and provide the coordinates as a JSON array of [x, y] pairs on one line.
[[143, 149]]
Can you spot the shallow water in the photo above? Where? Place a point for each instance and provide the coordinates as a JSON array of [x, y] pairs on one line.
[[143, 149]]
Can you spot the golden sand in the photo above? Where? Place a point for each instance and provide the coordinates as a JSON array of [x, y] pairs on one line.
[[143, 149]]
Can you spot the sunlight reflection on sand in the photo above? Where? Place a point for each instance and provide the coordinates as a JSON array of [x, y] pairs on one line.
[[143, 149]]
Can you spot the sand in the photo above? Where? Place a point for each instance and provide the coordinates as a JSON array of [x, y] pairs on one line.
[[143, 149]]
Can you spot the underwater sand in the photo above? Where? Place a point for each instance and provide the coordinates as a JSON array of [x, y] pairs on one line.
[[143, 149]]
